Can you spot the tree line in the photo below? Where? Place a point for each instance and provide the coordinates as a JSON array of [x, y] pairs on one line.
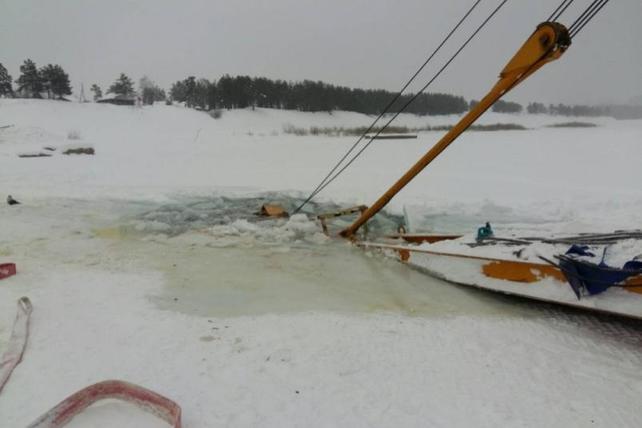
[[245, 91], [50, 81], [568, 110], [577, 110], [501, 106]]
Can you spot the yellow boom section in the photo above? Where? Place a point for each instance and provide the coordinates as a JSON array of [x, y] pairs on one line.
[[546, 44]]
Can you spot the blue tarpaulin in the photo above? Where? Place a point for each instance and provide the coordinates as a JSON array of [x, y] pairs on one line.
[[591, 278]]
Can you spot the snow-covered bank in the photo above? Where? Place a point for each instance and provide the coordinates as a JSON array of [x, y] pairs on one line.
[[320, 369], [587, 176]]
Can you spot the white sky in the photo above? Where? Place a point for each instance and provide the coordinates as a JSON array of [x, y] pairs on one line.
[[358, 43]]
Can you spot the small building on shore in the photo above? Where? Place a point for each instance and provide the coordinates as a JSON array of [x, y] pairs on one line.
[[119, 100]]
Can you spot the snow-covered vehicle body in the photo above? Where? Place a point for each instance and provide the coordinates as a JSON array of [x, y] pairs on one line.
[[510, 270]]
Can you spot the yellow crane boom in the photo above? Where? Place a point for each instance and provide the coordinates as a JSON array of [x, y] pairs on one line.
[[549, 41]]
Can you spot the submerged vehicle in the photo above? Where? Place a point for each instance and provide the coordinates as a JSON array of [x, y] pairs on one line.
[[572, 280]]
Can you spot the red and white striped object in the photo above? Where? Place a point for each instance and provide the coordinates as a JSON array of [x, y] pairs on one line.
[[18, 341], [147, 400]]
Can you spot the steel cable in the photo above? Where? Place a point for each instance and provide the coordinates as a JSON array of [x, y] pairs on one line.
[[389, 105], [576, 27], [441, 70], [589, 13], [560, 10]]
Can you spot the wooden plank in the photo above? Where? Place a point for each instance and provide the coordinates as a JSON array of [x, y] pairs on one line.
[[420, 238], [392, 137]]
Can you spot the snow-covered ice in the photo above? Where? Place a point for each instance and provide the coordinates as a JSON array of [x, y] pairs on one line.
[[145, 264], [586, 176]]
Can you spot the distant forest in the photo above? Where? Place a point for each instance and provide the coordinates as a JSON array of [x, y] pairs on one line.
[[237, 92], [244, 91]]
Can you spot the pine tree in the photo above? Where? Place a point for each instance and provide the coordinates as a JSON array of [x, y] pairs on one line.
[[178, 92], [122, 86], [502, 106], [6, 89], [47, 76], [536, 108], [212, 96], [190, 91], [55, 81], [184, 91], [30, 81], [60, 85], [201, 93], [98, 93], [225, 92]]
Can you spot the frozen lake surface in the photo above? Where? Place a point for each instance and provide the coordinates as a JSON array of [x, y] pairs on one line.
[[270, 323], [251, 266], [191, 305], [218, 258]]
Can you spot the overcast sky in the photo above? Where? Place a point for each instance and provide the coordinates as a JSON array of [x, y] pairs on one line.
[[358, 43]]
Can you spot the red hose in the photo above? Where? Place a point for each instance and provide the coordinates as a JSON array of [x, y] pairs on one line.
[[147, 400]]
